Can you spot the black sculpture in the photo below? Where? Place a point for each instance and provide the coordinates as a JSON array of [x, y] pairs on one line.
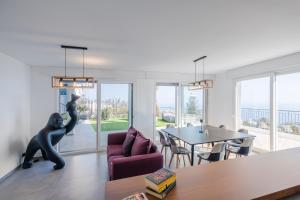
[[50, 136]]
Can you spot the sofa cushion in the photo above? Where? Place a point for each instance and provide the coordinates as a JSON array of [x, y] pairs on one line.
[[127, 145], [132, 131], [114, 150], [140, 145], [153, 148]]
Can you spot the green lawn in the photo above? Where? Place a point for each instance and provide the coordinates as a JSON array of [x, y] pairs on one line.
[[111, 124], [162, 123]]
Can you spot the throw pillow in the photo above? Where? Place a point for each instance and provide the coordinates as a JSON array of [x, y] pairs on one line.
[[127, 144], [140, 145], [132, 131]]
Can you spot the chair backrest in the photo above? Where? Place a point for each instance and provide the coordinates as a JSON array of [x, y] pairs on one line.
[[163, 139], [217, 152], [222, 126], [170, 126], [174, 147], [218, 148], [246, 146], [189, 124], [242, 130]]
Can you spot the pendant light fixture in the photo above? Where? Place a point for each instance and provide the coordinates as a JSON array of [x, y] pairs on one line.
[[73, 82], [204, 83]]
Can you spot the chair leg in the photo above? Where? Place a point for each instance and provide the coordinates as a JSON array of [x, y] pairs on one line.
[[162, 148], [199, 161], [171, 160], [227, 154], [183, 159], [165, 154], [189, 157], [177, 156]]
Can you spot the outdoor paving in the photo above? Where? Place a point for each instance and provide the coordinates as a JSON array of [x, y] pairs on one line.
[[83, 137], [262, 139]]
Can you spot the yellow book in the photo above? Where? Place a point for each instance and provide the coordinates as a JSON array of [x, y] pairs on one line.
[[161, 187], [160, 180]]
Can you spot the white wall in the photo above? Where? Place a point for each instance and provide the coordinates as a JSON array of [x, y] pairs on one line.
[[15, 112], [44, 98], [222, 96]]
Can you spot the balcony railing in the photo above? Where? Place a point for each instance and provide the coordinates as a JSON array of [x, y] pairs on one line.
[[287, 120], [283, 116]]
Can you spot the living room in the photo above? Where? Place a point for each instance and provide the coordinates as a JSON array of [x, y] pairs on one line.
[[195, 86]]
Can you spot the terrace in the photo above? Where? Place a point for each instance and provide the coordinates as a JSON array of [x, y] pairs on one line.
[[258, 123]]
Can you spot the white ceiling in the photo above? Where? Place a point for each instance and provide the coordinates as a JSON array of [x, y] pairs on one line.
[[157, 35]]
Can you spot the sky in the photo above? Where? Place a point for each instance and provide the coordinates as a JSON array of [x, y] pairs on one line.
[[165, 96], [111, 91], [108, 91], [255, 92]]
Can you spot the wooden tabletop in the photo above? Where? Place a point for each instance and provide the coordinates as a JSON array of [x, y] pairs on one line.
[[265, 176], [191, 135]]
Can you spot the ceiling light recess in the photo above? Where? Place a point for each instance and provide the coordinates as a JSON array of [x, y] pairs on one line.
[[73, 82]]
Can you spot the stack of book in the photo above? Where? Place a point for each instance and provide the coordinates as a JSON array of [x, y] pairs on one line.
[[160, 183]]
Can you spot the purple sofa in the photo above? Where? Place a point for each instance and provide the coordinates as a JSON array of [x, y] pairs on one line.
[[120, 166]]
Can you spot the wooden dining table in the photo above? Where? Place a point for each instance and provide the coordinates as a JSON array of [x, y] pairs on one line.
[[195, 135], [265, 176]]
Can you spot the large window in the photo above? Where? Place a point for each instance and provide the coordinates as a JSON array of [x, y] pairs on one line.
[[254, 110], [84, 135], [192, 106], [288, 111], [166, 105], [270, 110], [116, 109]]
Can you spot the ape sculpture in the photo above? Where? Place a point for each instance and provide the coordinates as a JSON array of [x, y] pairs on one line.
[[50, 135]]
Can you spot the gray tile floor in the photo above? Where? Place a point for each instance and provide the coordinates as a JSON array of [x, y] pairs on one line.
[[83, 178]]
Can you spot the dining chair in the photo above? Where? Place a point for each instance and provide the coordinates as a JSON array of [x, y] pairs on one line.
[[242, 149], [178, 151], [176, 139], [222, 126], [170, 126], [165, 143], [216, 154], [237, 142], [189, 125]]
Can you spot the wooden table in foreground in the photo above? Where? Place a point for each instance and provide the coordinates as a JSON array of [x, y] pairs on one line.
[[266, 176]]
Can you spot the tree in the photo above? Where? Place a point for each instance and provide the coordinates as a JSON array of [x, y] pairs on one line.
[[157, 111], [192, 105]]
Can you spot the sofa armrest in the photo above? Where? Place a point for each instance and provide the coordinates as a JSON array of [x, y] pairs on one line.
[[116, 138], [135, 165]]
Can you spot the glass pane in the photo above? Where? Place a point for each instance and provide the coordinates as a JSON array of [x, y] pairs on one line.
[[288, 111], [84, 135], [115, 109], [192, 110], [255, 110], [165, 106]]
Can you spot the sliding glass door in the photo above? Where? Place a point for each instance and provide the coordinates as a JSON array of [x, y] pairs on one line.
[[288, 111], [84, 135], [192, 106], [166, 105], [269, 108], [254, 110], [116, 108]]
